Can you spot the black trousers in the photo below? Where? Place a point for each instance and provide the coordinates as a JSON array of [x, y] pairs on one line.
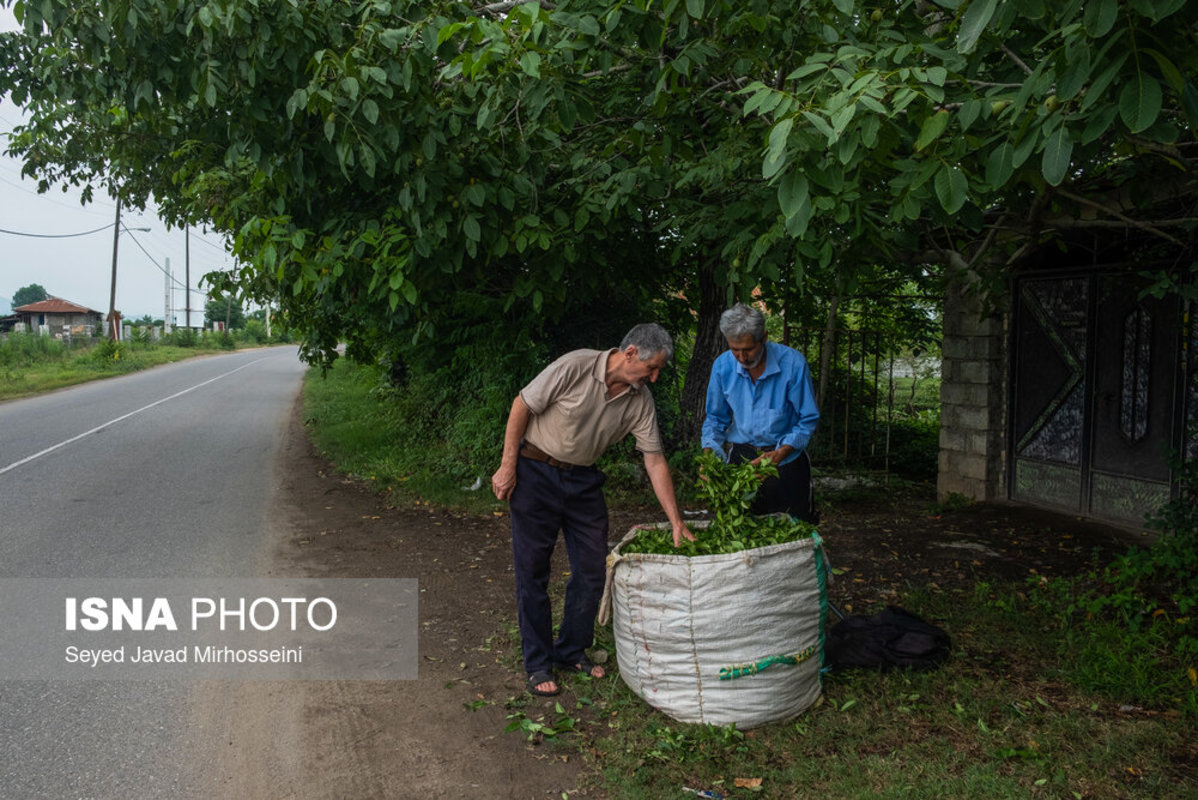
[[548, 500], [791, 492]]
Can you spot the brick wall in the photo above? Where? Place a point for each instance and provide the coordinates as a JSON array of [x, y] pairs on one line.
[[973, 398]]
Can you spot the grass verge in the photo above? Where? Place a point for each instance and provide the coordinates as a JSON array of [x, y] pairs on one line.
[[1004, 718], [32, 364], [351, 419]]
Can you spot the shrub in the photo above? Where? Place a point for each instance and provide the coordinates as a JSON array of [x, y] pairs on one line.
[[915, 445], [26, 349], [1138, 611], [1162, 579], [108, 351], [254, 331], [182, 337]]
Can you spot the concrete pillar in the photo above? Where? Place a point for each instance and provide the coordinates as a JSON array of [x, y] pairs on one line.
[[973, 396]]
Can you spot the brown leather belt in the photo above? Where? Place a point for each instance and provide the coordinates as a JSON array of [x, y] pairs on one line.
[[529, 450]]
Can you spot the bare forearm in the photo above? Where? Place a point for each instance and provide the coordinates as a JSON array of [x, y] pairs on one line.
[[504, 479], [663, 486], [517, 424]]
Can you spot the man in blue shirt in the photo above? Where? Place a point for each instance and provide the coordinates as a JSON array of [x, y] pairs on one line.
[[761, 404]]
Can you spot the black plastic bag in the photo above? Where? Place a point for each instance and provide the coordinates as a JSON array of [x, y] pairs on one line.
[[893, 638]]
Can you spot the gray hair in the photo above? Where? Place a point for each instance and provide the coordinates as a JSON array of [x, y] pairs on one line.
[[742, 320], [649, 339]]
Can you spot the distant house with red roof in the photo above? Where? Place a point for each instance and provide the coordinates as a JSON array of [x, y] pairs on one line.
[[58, 317]]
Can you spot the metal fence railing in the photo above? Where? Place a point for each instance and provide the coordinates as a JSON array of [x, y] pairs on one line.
[[857, 375]]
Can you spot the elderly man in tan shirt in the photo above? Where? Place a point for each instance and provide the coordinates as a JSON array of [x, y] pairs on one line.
[[559, 425]]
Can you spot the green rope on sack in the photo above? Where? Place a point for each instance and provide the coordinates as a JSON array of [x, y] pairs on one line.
[[753, 667], [822, 570]]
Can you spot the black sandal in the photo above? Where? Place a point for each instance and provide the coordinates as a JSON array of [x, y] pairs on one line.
[[585, 667], [537, 678]]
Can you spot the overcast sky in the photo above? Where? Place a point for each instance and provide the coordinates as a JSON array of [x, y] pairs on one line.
[[79, 268]]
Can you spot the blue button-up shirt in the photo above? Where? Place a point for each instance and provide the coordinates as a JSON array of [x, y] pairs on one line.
[[778, 408]]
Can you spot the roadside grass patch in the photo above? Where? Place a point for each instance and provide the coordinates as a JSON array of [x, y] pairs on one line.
[[19, 350], [50, 364], [366, 428], [32, 363], [996, 721]]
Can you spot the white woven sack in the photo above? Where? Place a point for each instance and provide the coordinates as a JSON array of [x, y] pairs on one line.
[[682, 621]]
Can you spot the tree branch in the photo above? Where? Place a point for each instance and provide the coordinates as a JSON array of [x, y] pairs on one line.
[[1108, 223], [508, 5], [988, 85], [1147, 227], [599, 73], [1034, 226], [981, 251], [1170, 151], [1011, 54]]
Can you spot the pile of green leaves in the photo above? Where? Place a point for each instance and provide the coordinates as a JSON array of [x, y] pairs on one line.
[[729, 490]]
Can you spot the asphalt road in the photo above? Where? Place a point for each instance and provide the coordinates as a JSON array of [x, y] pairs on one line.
[[166, 473]]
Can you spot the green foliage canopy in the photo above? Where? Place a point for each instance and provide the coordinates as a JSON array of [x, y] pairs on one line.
[[372, 159], [32, 293], [989, 126], [224, 309]]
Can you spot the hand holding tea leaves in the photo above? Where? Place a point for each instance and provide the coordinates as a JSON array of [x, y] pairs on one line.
[[729, 490]]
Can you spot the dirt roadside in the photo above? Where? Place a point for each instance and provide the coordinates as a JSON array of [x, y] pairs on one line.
[[365, 740], [319, 741]]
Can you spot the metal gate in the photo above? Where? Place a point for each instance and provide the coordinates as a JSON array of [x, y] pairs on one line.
[[1099, 395]]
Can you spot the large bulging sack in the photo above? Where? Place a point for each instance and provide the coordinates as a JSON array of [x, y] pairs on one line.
[[721, 639]]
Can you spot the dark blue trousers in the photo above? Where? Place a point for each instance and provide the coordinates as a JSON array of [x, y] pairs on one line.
[[548, 499]]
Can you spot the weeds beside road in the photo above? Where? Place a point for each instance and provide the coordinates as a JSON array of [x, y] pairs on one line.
[[31, 363]]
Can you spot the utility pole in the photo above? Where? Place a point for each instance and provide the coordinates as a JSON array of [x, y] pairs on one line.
[[166, 314], [187, 269], [114, 332]]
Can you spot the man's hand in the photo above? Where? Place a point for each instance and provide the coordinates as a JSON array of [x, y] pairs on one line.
[[776, 456], [682, 532], [503, 482]]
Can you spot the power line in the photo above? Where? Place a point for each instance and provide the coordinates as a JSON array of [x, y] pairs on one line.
[[214, 246], [161, 268], [56, 235], [67, 190], [47, 197]]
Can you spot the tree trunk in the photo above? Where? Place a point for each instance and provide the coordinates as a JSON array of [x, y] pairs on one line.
[[827, 351], [709, 343]]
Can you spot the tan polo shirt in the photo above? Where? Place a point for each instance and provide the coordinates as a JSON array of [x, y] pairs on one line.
[[572, 419]]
